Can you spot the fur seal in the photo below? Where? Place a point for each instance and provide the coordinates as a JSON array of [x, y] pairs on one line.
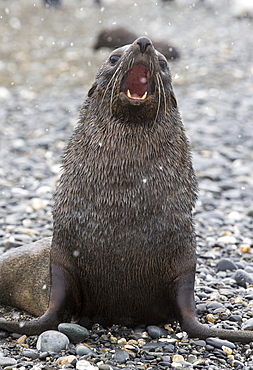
[[123, 246], [118, 36]]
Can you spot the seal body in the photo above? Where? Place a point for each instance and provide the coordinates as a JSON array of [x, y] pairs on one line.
[[123, 209], [123, 247]]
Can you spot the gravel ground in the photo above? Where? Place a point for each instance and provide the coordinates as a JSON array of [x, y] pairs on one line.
[[46, 66]]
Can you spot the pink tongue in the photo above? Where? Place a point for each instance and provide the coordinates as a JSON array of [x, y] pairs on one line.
[[137, 81]]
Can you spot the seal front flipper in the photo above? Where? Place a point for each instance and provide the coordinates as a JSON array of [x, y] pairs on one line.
[[186, 315], [62, 304]]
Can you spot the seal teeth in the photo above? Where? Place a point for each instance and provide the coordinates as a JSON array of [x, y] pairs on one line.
[[144, 95], [129, 94]]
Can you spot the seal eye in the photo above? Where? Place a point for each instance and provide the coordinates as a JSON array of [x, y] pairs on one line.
[[162, 64], [114, 58]]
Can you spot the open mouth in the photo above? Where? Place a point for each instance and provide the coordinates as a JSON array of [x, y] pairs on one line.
[[136, 82]]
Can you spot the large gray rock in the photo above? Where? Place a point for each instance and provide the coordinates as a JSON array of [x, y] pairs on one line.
[[52, 341]]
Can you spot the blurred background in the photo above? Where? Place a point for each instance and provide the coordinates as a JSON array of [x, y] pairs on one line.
[[53, 46]]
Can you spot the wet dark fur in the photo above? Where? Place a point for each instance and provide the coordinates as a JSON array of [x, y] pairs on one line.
[[118, 36], [125, 200], [123, 248]]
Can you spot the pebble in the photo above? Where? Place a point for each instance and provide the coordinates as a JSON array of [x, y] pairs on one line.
[[66, 360], [210, 318], [52, 341], [30, 353], [43, 356], [238, 364], [225, 264], [192, 359], [227, 350], [243, 278], [219, 343], [156, 331], [85, 365], [76, 333], [105, 367], [82, 350], [248, 325], [121, 356], [177, 358], [7, 361]]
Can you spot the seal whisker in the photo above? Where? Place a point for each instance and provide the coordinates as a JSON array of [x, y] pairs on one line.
[[157, 75], [164, 94], [113, 78]]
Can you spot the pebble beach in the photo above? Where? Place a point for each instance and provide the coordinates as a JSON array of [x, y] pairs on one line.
[[47, 64]]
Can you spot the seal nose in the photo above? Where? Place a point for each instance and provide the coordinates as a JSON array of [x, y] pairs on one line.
[[143, 43]]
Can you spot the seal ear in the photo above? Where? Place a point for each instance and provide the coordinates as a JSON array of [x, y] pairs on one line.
[[173, 99], [92, 89]]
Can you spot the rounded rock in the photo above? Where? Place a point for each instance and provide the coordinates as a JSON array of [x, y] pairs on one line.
[[85, 365], [30, 353], [156, 332], [7, 361], [225, 264], [121, 356], [219, 343], [52, 341], [242, 278], [66, 360], [76, 333], [177, 358], [82, 350], [248, 325], [104, 367]]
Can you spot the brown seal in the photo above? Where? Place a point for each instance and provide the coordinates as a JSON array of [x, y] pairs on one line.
[[123, 247], [118, 36]]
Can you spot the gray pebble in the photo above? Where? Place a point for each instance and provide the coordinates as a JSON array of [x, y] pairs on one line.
[[76, 333], [225, 264], [165, 364], [30, 353], [214, 305], [242, 278], [104, 367], [235, 318], [121, 356], [238, 364], [200, 342], [248, 325], [52, 341], [166, 358], [218, 343], [156, 332], [43, 356], [82, 350], [7, 361], [169, 348]]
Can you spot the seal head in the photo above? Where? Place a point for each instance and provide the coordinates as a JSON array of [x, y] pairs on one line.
[[145, 83]]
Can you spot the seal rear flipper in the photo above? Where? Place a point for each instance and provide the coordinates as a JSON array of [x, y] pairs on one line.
[[25, 278], [33, 327], [63, 304], [188, 321]]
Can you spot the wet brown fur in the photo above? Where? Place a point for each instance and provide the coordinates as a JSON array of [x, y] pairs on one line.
[[25, 277], [123, 248]]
